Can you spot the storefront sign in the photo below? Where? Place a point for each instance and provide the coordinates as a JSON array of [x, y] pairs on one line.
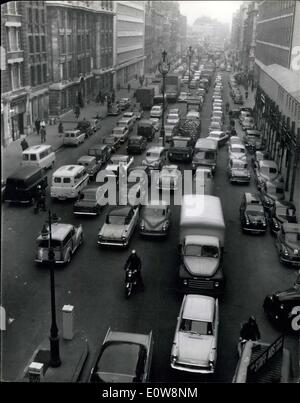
[[265, 357]]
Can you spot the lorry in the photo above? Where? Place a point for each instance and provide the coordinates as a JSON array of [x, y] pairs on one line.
[[205, 154], [181, 149], [189, 128], [144, 96], [172, 88], [201, 245]]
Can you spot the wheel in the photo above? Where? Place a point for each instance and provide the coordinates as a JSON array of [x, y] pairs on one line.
[[68, 260]]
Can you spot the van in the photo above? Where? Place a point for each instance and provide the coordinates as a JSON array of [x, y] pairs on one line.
[[73, 137], [155, 158], [40, 156], [21, 186], [146, 129], [205, 154], [136, 144], [102, 152], [68, 181]]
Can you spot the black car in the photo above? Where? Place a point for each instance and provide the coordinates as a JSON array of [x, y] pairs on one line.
[[136, 145], [282, 211], [90, 201], [252, 214], [85, 127], [283, 307], [288, 244]]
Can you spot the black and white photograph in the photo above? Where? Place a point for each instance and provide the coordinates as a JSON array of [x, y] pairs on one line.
[[150, 195]]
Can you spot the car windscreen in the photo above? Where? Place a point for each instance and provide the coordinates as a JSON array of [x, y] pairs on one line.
[[238, 150], [119, 130], [292, 237], [154, 211], [89, 195], [208, 251], [119, 359], [180, 143], [255, 210], [116, 220], [134, 141], [196, 326], [44, 243]]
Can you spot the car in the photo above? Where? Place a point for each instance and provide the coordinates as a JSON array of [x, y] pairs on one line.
[[253, 139], [252, 214], [120, 159], [237, 151], [156, 123], [238, 171], [123, 357], [219, 136], [102, 152], [174, 111], [203, 181], [124, 103], [126, 122], [92, 166], [266, 171], [129, 115], [215, 125], [85, 127], [121, 132], [155, 157], [89, 201], [248, 123], [194, 346], [280, 306], [182, 97], [288, 243], [156, 111], [282, 211], [244, 114], [136, 144], [65, 239], [169, 178], [113, 142], [172, 119], [119, 226], [217, 114], [170, 131], [113, 109], [234, 114], [155, 218], [193, 115], [270, 192]]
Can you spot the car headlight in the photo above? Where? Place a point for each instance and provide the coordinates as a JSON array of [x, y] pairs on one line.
[[123, 237], [173, 358], [185, 282], [142, 225], [165, 226], [285, 251], [170, 154], [211, 364], [281, 306], [216, 284]]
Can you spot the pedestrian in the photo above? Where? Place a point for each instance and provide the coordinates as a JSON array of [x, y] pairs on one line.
[[128, 87], [40, 198], [246, 94], [60, 128], [249, 330], [24, 144], [43, 124], [37, 125], [77, 111], [232, 123], [135, 263], [43, 134]]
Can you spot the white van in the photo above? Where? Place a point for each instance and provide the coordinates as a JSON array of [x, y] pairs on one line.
[[73, 137], [68, 181], [40, 156]]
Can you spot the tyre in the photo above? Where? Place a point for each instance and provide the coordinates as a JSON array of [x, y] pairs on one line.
[[68, 259]]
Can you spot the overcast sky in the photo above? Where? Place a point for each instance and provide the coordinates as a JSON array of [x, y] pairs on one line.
[[221, 10]]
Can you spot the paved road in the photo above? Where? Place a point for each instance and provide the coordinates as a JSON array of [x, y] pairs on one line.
[[93, 282]]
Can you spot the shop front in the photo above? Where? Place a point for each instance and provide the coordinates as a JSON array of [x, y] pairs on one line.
[[17, 117]]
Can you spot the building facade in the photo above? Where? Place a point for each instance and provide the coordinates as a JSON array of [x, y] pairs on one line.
[[129, 41]]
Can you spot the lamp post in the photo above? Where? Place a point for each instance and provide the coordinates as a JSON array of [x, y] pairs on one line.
[[54, 339], [189, 55], [164, 68]]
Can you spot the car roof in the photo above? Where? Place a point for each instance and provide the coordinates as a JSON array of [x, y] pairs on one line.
[[268, 163], [36, 148], [198, 307], [119, 157], [58, 231], [68, 170], [86, 158], [252, 198], [155, 149], [24, 172]]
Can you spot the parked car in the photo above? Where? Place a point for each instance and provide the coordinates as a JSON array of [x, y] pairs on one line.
[[123, 357], [266, 171], [270, 192], [194, 346], [90, 200], [73, 137], [280, 306], [215, 125], [136, 145], [252, 214], [129, 115], [172, 119], [219, 136], [169, 178], [248, 123], [92, 166], [146, 129], [113, 142], [66, 238], [282, 211], [119, 226], [124, 103], [121, 133], [155, 218], [113, 109], [85, 127], [237, 151], [235, 140], [238, 171], [288, 243], [156, 111], [102, 152]]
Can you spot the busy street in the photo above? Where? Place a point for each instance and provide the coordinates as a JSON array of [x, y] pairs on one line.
[[91, 278]]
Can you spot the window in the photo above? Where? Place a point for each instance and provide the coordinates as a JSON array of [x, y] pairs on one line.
[[31, 47], [61, 18], [43, 41], [29, 13], [66, 180], [70, 69], [70, 44], [62, 44], [15, 76], [12, 8], [44, 72], [39, 74], [36, 16], [13, 35], [37, 43], [32, 76]]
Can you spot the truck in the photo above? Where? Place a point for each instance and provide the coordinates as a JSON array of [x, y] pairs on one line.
[[181, 149], [201, 245], [172, 88], [189, 128], [144, 96]]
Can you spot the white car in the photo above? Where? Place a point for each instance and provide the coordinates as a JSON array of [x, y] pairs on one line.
[[130, 115], [168, 178], [215, 125], [237, 151], [120, 133], [156, 111], [119, 159], [182, 97], [119, 226], [195, 342], [219, 136], [172, 119], [156, 123]]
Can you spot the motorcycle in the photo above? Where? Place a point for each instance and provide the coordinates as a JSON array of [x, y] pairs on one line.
[[130, 281]]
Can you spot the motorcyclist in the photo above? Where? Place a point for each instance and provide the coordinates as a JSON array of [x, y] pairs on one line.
[[249, 330], [134, 263], [40, 198]]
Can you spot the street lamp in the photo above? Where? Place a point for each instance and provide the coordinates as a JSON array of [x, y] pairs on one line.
[[164, 68], [46, 233], [190, 55]]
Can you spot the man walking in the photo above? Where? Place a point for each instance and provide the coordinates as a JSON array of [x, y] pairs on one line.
[[43, 134], [37, 125]]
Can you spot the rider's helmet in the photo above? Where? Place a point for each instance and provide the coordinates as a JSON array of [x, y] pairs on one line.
[[133, 252], [252, 319], [39, 187]]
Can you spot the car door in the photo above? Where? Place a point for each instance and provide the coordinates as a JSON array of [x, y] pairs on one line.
[[74, 238]]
